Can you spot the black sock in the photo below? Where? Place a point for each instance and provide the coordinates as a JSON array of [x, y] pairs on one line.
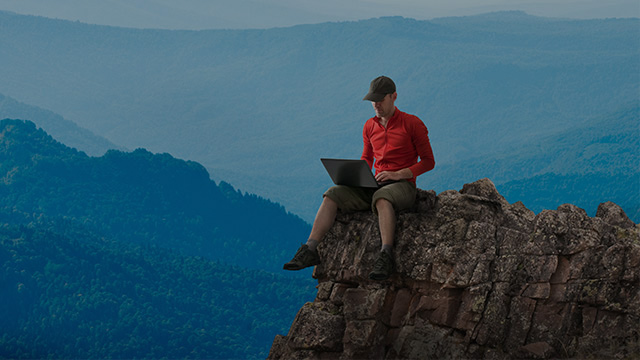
[[312, 244], [388, 249]]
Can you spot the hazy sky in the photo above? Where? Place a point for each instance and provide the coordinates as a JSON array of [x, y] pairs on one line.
[[238, 14]]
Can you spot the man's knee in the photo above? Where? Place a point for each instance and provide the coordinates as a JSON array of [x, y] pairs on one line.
[[400, 195], [329, 201], [383, 205], [349, 199]]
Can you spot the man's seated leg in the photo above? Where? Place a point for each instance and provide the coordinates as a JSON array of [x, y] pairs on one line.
[[384, 265], [337, 197], [307, 254], [397, 196]]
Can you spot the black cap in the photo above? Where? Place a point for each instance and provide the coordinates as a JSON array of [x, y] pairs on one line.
[[379, 88]]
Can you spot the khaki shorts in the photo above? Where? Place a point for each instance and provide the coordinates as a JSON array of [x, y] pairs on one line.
[[401, 194]]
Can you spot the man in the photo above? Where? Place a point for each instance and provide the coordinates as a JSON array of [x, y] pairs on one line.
[[399, 143]]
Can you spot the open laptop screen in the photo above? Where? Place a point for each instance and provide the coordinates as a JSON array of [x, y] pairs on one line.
[[350, 172]]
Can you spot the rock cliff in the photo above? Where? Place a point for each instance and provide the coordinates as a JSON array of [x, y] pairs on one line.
[[476, 277]]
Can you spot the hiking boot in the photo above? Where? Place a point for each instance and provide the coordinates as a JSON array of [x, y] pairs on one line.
[[304, 258], [383, 268]]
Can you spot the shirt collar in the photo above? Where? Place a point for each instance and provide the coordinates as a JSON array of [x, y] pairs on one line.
[[395, 115]]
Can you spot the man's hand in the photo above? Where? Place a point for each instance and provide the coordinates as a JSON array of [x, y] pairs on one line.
[[394, 175]]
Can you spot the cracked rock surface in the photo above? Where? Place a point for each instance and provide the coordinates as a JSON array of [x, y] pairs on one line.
[[476, 277]]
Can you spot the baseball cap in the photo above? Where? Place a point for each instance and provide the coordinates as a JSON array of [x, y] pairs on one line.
[[379, 88]]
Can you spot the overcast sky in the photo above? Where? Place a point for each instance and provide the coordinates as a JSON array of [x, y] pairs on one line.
[[242, 14]]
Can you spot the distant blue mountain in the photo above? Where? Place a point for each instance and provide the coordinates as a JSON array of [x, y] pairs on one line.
[[64, 130], [592, 163], [258, 107]]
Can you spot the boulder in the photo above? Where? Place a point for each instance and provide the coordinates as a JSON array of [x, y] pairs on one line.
[[476, 277]]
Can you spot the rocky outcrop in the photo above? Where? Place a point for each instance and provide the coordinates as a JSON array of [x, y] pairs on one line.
[[476, 277]]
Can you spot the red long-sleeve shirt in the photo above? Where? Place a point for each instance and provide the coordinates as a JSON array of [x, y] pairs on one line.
[[399, 145]]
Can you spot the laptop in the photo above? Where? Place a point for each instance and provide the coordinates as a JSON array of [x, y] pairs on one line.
[[351, 173]]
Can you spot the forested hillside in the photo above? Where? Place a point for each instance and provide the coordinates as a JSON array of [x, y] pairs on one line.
[[79, 296], [141, 198], [134, 255], [258, 108]]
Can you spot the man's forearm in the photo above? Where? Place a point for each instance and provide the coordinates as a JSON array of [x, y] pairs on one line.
[[405, 173]]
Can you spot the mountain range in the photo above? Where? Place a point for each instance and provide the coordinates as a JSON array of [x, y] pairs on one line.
[[134, 254], [583, 166], [142, 198], [109, 252], [243, 14], [258, 107], [63, 130]]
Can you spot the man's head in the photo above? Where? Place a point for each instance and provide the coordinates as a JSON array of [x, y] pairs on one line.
[[382, 94]]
